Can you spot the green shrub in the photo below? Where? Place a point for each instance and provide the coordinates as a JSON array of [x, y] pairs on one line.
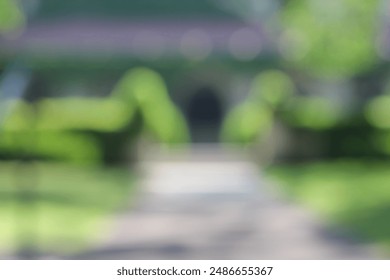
[[145, 89]]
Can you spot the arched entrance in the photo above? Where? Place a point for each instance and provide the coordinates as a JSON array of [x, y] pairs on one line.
[[204, 114]]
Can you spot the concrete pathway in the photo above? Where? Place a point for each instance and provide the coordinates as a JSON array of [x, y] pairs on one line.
[[213, 204]]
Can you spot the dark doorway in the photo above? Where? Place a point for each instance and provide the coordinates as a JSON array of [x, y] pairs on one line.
[[204, 115]]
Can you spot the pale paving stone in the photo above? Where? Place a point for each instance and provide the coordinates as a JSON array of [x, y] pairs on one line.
[[209, 204]]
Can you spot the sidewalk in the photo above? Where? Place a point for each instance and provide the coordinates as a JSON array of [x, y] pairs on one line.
[[210, 204]]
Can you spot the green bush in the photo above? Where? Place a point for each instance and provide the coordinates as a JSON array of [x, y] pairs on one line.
[[145, 90], [313, 112], [246, 123], [253, 118], [60, 128]]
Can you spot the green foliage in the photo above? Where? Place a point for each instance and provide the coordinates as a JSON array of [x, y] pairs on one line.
[[377, 115], [377, 112], [381, 141], [55, 127], [330, 38], [76, 113], [27, 132], [351, 193], [64, 146], [316, 113], [146, 90], [273, 87], [11, 17], [247, 123], [71, 207], [253, 118], [100, 114]]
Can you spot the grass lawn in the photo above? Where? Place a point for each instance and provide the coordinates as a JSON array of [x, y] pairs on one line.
[[353, 194], [66, 209]]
